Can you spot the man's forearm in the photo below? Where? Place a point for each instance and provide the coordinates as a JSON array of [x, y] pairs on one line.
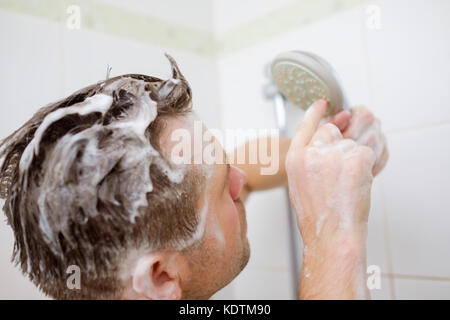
[[255, 179], [334, 269]]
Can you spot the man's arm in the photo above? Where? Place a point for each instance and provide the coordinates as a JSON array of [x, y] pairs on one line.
[[333, 267], [334, 235], [255, 180], [358, 124], [329, 186]]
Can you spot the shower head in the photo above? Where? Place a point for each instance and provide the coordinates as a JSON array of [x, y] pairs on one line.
[[304, 77]]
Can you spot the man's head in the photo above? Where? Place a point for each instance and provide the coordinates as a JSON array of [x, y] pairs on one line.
[[89, 182]]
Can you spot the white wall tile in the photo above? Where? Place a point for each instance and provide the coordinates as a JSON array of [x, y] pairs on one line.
[[13, 284], [225, 293], [88, 53], [30, 64], [232, 13], [384, 293], [242, 75], [262, 284], [340, 40], [377, 250], [409, 62], [195, 14], [417, 203], [408, 289], [268, 230], [30, 77]]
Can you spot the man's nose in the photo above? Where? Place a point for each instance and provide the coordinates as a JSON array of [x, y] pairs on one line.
[[238, 180]]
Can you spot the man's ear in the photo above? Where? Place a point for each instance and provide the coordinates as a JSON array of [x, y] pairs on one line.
[[156, 276]]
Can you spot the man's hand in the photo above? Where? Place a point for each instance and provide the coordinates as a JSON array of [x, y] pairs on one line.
[[329, 185], [360, 125]]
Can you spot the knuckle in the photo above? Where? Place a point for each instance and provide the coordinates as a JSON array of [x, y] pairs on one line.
[[371, 140], [368, 116], [358, 110], [332, 130], [367, 153], [347, 145], [364, 114], [312, 160]]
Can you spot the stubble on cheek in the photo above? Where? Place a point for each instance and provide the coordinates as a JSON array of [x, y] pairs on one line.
[[242, 217], [245, 245]]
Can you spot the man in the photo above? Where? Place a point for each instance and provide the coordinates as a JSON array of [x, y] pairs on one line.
[[94, 183]]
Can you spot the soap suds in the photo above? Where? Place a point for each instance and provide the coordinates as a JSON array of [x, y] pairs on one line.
[[306, 272], [295, 200], [201, 226], [147, 112], [214, 229], [77, 179], [339, 201], [127, 147], [97, 103], [167, 88], [367, 131], [373, 138], [319, 224]]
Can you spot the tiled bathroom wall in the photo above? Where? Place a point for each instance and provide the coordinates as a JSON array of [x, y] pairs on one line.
[[397, 65], [393, 57]]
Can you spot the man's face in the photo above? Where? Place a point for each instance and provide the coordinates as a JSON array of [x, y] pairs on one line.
[[225, 250]]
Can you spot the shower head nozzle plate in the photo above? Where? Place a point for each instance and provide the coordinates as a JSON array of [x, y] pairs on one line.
[[303, 78]]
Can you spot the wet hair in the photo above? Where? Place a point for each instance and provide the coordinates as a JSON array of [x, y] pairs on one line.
[[85, 181]]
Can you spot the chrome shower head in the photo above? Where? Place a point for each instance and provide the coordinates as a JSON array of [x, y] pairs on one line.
[[304, 77]]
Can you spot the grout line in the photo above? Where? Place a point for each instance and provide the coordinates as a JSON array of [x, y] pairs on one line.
[[384, 215], [414, 277], [387, 242], [64, 60], [127, 23], [367, 56], [268, 269], [418, 127]]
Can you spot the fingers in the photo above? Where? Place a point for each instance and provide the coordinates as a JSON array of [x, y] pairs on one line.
[[326, 134], [346, 145], [381, 162], [369, 155], [374, 138], [309, 125], [360, 120], [342, 119], [361, 160]]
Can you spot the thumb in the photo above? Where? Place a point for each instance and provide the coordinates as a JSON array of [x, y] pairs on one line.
[[309, 124]]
